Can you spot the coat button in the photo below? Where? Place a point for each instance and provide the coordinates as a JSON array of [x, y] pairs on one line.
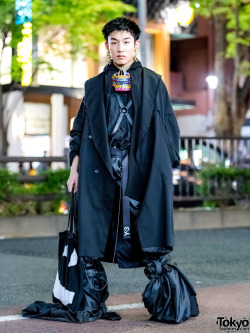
[[122, 128], [96, 170], [90, 136]]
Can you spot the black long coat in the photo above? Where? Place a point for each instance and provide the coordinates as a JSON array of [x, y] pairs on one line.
[[153, 152]]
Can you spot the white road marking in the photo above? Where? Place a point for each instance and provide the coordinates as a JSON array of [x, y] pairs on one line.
[[9, 318], [126, 306], [110, 308]]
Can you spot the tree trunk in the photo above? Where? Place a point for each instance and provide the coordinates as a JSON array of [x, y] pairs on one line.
[[1, 121], [222, 122], [238, 108], [3, 138], [234, 102], [1, 98]]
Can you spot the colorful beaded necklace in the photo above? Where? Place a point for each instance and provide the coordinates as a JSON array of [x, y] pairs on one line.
[[121, 81]]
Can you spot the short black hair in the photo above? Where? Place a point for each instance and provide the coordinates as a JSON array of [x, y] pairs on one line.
[[121, 24]]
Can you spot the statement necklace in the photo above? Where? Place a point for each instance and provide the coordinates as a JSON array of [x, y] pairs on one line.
[[121, 81]]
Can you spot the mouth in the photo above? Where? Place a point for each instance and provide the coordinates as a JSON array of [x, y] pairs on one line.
[[120, 57]]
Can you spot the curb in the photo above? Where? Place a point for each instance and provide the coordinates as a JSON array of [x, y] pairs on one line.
[[184, 219]]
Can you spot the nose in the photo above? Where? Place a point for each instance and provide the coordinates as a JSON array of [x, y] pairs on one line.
[[120, 47]]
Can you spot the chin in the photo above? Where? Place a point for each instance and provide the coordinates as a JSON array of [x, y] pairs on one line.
[[123, 61]]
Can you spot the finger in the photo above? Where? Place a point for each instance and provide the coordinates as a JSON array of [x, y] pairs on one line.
[[70, 187], [74, 186]]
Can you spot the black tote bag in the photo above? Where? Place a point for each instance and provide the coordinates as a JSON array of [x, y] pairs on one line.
[[68, 286]]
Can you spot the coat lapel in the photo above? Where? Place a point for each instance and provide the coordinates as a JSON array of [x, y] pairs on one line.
[[147, 107], [94, 92]]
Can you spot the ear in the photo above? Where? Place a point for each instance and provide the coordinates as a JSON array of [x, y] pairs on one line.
[[107, 45], [137, 44]]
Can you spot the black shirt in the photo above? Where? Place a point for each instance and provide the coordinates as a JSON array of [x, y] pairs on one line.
[[121, 139]]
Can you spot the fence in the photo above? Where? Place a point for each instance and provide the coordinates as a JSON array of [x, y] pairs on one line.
[[212, 168]]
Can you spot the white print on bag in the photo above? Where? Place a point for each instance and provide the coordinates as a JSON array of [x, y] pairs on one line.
[[73, 258], [59, 291]]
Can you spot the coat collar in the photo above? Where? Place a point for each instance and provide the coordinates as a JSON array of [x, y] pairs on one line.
[[95, 89], [111, 67]]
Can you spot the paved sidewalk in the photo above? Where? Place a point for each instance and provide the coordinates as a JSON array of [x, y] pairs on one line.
[[216, 261], [221, 301]]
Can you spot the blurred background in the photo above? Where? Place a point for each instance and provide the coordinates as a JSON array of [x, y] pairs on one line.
[[50, 48]]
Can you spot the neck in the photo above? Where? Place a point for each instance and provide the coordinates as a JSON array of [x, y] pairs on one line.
[[126, 66]]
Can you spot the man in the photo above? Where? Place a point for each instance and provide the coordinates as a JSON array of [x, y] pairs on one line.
[[125, 141]]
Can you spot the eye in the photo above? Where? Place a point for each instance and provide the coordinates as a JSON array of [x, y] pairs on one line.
[[113, 43]]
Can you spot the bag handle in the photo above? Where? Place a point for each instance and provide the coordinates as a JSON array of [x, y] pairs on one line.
[[72, 219]]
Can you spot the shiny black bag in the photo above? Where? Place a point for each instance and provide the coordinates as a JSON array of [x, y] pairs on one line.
[[169, 296]]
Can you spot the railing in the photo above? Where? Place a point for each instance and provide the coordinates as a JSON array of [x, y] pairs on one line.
[[42, 159], [30, 178], [223, 156]]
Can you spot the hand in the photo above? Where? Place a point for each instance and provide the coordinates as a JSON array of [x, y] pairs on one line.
[[73, 180]]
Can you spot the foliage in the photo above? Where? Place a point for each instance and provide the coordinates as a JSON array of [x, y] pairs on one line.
[[81, 20], [70, 27], [12, 193], [224, 182], [8, 183], [230, 9], [56, 182]]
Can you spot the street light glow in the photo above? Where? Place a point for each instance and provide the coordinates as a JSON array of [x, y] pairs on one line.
[[184, 14], [212, 81]]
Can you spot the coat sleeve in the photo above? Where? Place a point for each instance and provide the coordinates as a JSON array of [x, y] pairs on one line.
[[169, 121], [76, 132]]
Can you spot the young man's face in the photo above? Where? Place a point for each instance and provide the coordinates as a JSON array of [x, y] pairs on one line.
[[122, 45]]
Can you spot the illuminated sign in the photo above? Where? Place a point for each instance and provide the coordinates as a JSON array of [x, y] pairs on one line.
[[24, 11], [24, 48]]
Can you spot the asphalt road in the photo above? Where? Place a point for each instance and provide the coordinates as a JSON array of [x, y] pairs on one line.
[[208, 257]]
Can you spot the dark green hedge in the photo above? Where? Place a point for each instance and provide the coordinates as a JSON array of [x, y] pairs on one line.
[[12, 193], [225, 183]]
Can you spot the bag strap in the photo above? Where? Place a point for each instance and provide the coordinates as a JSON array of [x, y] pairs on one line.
[[72, 220]]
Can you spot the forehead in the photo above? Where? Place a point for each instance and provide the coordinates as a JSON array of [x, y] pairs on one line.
[[120, 35]]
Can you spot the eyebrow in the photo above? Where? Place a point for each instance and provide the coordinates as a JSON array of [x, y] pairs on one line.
[[118, 39]]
